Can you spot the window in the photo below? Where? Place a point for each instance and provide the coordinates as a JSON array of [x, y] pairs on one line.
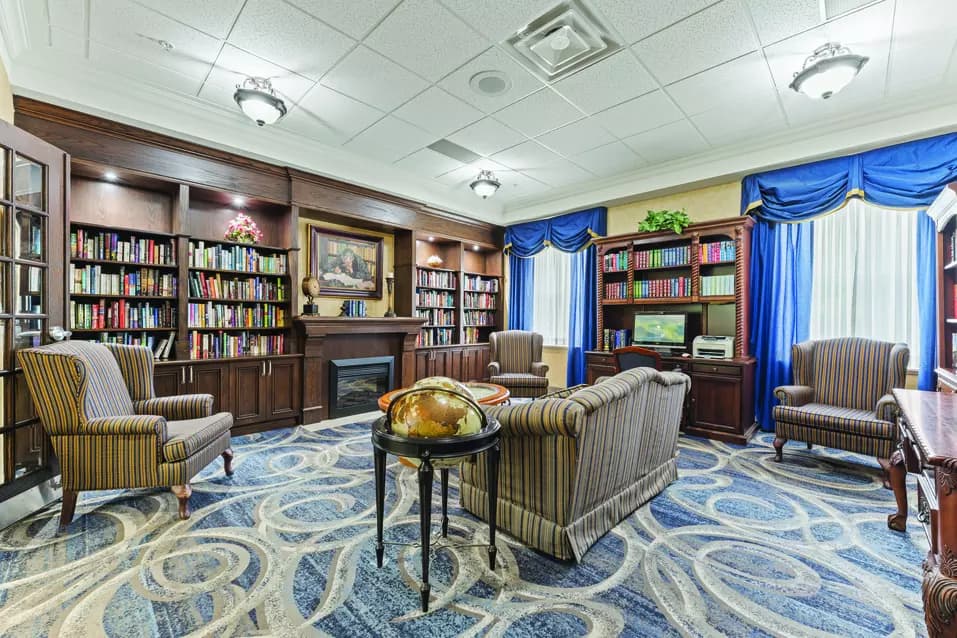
[[551, 297], [865, 276]]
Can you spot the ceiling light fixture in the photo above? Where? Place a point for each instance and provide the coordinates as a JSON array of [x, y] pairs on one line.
[[828, 70], [485, 184], [257, 99]]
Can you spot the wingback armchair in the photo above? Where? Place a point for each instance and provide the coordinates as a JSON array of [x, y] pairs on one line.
[[576, 463], [841, 397], [110, 431], [517, 363]]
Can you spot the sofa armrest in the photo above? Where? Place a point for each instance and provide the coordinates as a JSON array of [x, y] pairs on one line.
[[794, 395], [887, 409], [494, 369], [564, 393], [539, 368], [543, 417], [177, 408], [129, 425]]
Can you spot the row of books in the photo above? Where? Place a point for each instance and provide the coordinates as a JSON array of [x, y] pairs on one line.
[[474, 283], [615, 262], [121, 314], [92, 280], [658, 288], [479, 318], [108, 246], [616, 290], [241, 258], [611, 339], [437, 316], [663, 257], [434, 298], [481, 300], [474, 335], [436, 337], [434, 279], [217, 315], [717, 285], [162, 347], [354, 308], [216, 345], [258, 288], [951, 248], [716, 251]]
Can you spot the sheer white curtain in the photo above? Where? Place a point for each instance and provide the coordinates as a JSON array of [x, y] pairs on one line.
[[552, 305], [865, 279]]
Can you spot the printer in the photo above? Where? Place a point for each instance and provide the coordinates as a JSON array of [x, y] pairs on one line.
[[712, 347]]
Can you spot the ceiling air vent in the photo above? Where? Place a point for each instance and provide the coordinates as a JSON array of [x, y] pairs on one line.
[[565, 39]]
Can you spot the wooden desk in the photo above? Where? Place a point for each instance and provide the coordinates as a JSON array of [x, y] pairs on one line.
[[928, 448]]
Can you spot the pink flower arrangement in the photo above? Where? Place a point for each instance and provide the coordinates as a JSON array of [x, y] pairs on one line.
[[243, 229]]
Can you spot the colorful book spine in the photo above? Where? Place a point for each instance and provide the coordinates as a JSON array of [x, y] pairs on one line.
[[617, 290], [120, 315], [252, 288], [435, 279], [475, 283], [220, 315], [716, 252], [235, 258], [436, 337], [216, 345], [612, 339], [615, 262], [107, 246], [93, 280], [673, 257], [663, 288], [712, 285]]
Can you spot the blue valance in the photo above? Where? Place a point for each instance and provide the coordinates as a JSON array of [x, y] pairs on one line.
[[569, 233], [908, 175]]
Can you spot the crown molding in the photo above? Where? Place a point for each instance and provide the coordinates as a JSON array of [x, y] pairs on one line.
[[13, 29]]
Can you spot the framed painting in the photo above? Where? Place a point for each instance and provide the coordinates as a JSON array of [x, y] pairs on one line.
[[346, 264]]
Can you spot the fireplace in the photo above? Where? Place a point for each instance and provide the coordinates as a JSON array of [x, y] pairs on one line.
[[355, 385]]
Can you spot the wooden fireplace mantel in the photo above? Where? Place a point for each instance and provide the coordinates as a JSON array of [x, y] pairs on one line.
[[322, 339]]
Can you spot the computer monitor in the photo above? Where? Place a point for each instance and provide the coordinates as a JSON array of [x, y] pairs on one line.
[[660, 329]]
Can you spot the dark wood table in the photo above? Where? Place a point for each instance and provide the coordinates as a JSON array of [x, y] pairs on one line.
[[928, 449]]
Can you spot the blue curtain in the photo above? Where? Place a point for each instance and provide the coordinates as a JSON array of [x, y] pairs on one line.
[[908, 175], [521, 275], [583, 322]]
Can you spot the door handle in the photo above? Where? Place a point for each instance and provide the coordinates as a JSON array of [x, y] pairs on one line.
[[182, 374], [263, 373], [270, 367], [191, 374]]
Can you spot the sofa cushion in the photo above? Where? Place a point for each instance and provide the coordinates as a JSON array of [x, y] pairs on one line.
[[836, 419], [519, 380], [189, 436]]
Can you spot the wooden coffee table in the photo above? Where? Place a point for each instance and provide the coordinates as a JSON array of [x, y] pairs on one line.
[[484, 393]]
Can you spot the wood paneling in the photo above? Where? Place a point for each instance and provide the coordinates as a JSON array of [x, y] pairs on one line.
[[103, 203]]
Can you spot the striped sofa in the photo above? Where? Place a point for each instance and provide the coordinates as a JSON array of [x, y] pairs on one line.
[[841, 397], [517, 363], [110, 431], [572, 468]]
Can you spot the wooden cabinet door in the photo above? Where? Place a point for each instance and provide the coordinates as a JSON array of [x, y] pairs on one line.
[[469, 364], [482, 359], [448, 363], [716, 402], [211, 379], [283, 388], [249, 399], [423, 364], [168, 380]]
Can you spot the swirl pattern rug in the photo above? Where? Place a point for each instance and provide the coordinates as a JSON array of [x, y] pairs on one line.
[[738, 546]]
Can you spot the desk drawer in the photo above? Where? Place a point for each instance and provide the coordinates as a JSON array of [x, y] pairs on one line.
[[716, 368]]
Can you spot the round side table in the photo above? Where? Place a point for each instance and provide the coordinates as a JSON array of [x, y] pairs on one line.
[[425, 450]]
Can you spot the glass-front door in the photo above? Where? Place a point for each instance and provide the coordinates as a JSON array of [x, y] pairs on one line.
[[32, 217]]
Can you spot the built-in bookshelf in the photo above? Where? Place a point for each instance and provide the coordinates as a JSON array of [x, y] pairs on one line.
[[480, 307], [434, 285]]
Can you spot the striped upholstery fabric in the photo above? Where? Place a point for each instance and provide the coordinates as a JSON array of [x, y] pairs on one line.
[[84, 393], [842, 395], [517, 363], [572, 468]]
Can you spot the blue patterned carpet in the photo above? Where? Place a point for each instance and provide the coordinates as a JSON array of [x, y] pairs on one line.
[[738, 546]]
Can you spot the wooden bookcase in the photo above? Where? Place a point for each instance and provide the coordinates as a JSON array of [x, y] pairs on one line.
[[944, 212], [702, 272]]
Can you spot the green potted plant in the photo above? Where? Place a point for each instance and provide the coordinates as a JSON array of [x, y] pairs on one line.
[[658, 220]]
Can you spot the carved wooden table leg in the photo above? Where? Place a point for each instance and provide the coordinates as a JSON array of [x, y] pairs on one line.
[[939, 588], [897, 474]]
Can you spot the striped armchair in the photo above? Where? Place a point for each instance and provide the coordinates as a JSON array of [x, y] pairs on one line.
[[110, 431], [841, 397], [517, 363], [572, 468]]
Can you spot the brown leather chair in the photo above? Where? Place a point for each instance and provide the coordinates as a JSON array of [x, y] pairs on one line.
[[636, 357]]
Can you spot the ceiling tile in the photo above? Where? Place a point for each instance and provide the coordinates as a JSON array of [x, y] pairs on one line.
[[576, 138], [427, 38], [487, 136], [349, 16], [390, 139], [924, 44], [498, 19], [784, 18], [438, 112], [284, 35], [214, 17], [516, 184], [527, 155], [235, 65], [641, 114], [465, 174], [367, 76], [738, 81], [610, 159], [330, 117], [494, 59], [669, 142], [539, 112], [428, 163], [107, 60], [637, 19], [125, 27], [720, 33], [559, 173], [69, 15], [606, 83], [744, 121]]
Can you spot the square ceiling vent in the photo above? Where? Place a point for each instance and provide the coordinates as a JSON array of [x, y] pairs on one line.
[[565, 39]]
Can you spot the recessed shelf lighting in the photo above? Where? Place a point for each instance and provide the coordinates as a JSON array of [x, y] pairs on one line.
[[475, 248], [239, 201], [431, 238], [110, 176]]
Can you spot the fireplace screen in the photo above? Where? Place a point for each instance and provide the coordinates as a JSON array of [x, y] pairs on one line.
[[355, 385]]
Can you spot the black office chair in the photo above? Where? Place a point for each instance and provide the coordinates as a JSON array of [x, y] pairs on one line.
[[636, 357]]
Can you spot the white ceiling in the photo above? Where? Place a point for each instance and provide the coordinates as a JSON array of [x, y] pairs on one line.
[[371, 83]]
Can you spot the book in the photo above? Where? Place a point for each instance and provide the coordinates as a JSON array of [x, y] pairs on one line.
[[169, 345], [160, 348]]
